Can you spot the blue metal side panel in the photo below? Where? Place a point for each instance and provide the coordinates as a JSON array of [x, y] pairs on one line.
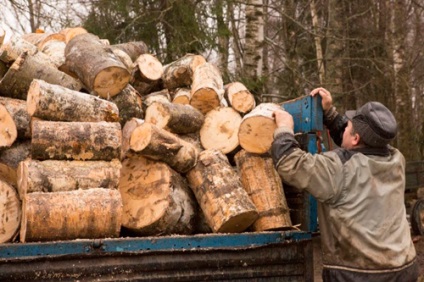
[[307, 113], [308, 118], [165, 243]]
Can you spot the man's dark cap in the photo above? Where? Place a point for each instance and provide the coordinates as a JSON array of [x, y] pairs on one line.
[[374, 123]]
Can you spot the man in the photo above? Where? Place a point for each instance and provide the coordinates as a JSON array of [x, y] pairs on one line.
[[360, 186]]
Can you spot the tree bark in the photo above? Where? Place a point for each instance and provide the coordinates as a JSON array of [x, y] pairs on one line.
[[263, 184], [80, 214], [59, 176], [181, 96], [10, 212], [147, 74], [225, 204], [40, 39], [56, 103], [129, 103], [17, 80], [55, 50], [239, 97], [8, 130], [16, 153], [176, 118], [2, 35], [253, 60], [220, 130], [162, 96], [19, 112], [133, 49], [11, 50], [207, 89], [180, 72], [158, 144], [257, 129], [156, 199], [76, 140], [96, 66]]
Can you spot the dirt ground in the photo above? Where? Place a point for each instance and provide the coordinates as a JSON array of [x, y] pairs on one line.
[[419, 247]]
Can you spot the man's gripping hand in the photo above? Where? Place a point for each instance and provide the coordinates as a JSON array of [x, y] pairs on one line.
[[283, 119]]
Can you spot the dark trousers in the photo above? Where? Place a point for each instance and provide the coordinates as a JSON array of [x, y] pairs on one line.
[[409, 274]]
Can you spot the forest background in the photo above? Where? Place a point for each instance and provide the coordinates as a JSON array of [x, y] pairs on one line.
[[280, 49]]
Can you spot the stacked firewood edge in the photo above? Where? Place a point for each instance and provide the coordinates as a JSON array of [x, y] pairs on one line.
[[103, 141]]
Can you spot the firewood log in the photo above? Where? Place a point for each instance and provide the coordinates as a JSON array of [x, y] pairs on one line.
[[156, 199], [158, 144], [10, 212], [239, 97], [134, 49], [55, 49], [16, 81], [207, 89], [124, 58], [13, 155], [220, 130], [162, 96], [75, 140], [39, 39], [8, 174], [181, 96], [19, 112], [147, 74], [127, 130], [225, 204], [8, 130], [2, 35], [129, 103], [263, 184], [53, 176], [194, 139], [3, 69], [80, 214], [96, 66], [56, 103], [176, 118], [180, 72], [11, 50], [71, 32], [257, 129]]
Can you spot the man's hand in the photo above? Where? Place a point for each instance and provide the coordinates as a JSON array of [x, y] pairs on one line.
[[327, 100], [283, 118]]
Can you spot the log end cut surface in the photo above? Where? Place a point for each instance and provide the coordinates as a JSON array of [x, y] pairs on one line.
[[220, 130], [239, 223], [10, 212], [145, 186], [256, 134], [111, 81], [8, 130], [205, 100], [243, 102], [140, 137]]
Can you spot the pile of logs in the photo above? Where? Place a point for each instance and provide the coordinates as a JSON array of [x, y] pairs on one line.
[[97, 140]]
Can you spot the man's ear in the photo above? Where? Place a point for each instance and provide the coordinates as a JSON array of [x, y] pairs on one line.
[[356, 139]]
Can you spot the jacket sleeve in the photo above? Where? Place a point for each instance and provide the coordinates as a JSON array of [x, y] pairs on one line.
[[319, 174], [336, 124]]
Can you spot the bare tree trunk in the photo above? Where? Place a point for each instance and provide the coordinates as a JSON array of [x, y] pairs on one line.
[[403, 110], [253, 59], [318, 47]]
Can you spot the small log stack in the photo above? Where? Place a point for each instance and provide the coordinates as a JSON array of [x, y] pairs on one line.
[[225, 204], [263, 184]]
